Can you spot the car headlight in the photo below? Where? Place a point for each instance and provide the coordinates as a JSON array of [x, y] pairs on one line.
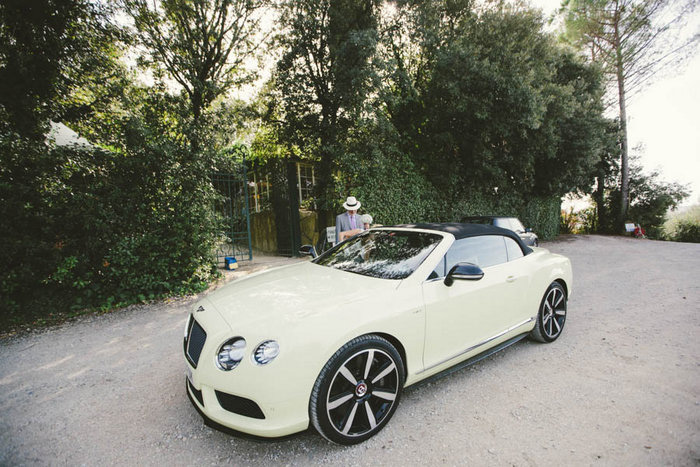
[[266, 352], [230, 354]]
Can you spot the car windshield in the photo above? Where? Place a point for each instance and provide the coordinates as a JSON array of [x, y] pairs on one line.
[[386, 254], [517, 225]]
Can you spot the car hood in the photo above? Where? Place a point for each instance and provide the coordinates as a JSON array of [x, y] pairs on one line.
[[292, 295]]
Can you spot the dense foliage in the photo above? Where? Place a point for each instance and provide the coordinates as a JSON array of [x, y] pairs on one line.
[[92, 226], [500, 106], [650, 197], [52, 55], [683, 226], [471, 113], [203, 45], [632, 40], [425, 110], [322, 80]]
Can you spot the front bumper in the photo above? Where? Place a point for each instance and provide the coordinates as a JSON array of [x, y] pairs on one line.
[[267, 401], [281, 420], [194, 400]]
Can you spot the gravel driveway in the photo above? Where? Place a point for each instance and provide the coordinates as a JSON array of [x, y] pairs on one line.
[[620, 387]]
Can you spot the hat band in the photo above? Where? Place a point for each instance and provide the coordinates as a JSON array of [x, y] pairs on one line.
[[351, 205]]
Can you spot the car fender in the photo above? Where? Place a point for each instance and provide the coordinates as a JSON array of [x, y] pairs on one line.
[[405, 326]]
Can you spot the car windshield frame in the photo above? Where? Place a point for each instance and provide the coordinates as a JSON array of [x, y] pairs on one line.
[[391, 254]]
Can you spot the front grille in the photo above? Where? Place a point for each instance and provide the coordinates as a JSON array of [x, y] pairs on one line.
[[239, 405], [196, 393], [195, 342]]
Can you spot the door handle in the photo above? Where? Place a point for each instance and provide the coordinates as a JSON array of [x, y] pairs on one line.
[[511, 279]]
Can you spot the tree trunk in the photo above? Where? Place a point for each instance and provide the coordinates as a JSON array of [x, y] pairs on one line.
[[197, 100], [322, 183], [329, 138], [599, 199], [624, 163]]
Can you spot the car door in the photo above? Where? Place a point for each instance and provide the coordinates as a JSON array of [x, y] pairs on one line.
[[469, 313]]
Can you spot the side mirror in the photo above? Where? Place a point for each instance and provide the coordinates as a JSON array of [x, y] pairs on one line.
[[308, 250], [465, 272]]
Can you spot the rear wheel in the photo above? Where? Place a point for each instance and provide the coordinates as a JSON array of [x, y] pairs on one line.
[[357, 391], [551, 315]]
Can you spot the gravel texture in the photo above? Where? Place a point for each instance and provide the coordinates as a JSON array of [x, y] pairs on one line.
[[620, 387]]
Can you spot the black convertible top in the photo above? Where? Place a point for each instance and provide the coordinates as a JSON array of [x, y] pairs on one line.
[[469, 230]]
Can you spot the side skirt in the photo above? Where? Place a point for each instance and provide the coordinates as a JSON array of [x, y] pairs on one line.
[[470, 361]]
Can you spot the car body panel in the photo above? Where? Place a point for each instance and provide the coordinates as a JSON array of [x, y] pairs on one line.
[[313, 310], [304, 349], [451, 311]]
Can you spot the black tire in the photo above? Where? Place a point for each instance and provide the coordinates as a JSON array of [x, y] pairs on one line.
[[355, 397], [551, 315]]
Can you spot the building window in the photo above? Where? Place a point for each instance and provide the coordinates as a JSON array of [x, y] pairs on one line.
[[258, 192], [305, 182]]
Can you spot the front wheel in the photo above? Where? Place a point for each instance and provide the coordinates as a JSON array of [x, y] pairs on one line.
[[357, 391], [551, 315]]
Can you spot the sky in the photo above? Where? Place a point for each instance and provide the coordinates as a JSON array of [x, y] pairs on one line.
[[665, 118]]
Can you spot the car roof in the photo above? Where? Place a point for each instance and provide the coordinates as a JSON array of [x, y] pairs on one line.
[[462, 230]]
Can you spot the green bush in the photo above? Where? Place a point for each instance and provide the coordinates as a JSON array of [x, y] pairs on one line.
[[542, 215], [383, 178], [687, 231], [94, 228], [29, 249], [391, 188], [683, 227], [539, 214]]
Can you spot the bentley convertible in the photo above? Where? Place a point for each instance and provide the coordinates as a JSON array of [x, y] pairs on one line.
[[333, 342]]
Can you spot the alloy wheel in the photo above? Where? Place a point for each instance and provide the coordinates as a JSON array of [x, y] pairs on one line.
[[362, 392], [553, 313]]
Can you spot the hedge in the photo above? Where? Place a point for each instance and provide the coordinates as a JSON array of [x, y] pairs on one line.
[[92, 228]]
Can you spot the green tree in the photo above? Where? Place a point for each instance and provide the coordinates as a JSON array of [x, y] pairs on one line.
[[202, 44], [607, 170], [92, 227], [488, 105], [683, 226], [323, 79], [379, 173], [632, 40], [49, 50], [650, 198]]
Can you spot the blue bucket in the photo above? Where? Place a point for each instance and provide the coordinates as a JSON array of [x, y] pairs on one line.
[[230, 263]]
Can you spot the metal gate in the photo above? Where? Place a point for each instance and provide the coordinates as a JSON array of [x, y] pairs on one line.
[[231, 207], [285, 205]]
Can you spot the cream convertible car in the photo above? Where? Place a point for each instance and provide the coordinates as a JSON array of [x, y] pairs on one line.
[[334, 341]]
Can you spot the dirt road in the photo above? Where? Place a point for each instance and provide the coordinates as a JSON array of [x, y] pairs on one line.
[[620, 387]]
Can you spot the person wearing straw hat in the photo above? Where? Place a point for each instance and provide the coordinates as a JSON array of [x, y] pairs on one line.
[[348, 223]]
